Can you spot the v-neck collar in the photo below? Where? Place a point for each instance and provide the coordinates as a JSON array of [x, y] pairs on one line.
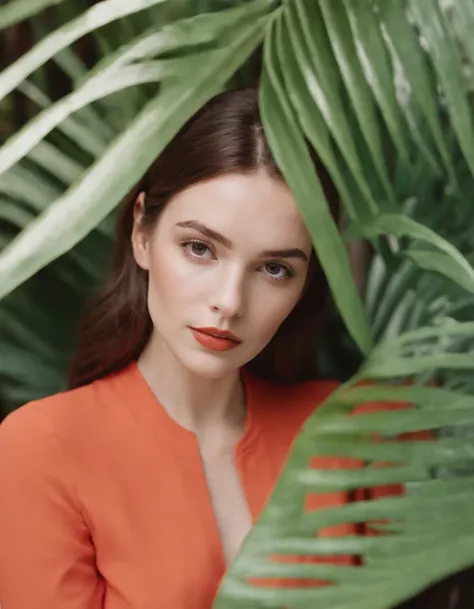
[[146, 406], [131, 382]]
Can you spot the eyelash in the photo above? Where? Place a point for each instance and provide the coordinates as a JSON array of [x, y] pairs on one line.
[[190, 255], [194, 258]]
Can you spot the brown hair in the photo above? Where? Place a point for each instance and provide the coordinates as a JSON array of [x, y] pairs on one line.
[[225, 136]]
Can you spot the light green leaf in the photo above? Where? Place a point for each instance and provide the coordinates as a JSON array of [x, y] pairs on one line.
[[65, 168], [97, 16], [343, 46], [26, 185], [443, 452], [329, 481], [73, 215], [14, 214], [439, 263], [399, 422], [397, 284], [80, 132], [375, 510], [463, 13], [393, 566], [420, 395], [16, 10], [420, 351], [295, 69], [377, 67], [407, 47], [447, 64], [322, 77], [186, 36], [321, 72], [92, 90], [453, 265], [293, 158]]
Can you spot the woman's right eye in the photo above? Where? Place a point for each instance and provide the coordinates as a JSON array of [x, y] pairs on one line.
[[196, 249]]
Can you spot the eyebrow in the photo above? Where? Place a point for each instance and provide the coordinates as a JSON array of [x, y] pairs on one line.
[[208, 232], [294, 252]]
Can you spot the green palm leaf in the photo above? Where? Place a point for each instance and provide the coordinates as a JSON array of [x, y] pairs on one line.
[[74, 214], [344, 48], [13, 12], [292, 156], [94, 89], [447, 64], [393, 565], [412, 58], [448, 261], [375, 61], [97, 16]]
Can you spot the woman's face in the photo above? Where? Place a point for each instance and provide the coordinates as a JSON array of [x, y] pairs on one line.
[[227, 254]]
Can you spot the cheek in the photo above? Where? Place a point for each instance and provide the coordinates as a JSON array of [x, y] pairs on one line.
[[271, 311], [172, 283], [166, 280]]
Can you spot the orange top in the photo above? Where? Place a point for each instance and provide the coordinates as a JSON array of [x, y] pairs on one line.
[[104, 500]]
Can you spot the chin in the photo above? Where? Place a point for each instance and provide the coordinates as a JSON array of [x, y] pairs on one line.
[[210, 365]]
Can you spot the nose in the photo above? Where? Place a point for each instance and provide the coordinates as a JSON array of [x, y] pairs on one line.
[[229, 294]]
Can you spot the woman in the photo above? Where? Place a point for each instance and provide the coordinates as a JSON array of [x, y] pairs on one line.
[[136, 487]]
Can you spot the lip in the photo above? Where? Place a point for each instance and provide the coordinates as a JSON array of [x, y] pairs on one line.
[[215, 339], [218, 333]]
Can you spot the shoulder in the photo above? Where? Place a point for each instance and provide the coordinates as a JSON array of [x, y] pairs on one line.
[[287, 406], [34, 429], [53, 408], [33, 454], [62, 415], [57, 441]]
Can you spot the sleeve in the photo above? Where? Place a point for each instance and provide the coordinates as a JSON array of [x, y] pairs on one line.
[[47, 559]]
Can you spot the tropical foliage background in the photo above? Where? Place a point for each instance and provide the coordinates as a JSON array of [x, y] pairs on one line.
[[89, 95]]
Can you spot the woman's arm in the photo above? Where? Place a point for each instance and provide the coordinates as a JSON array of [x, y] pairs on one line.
[[47, 559]]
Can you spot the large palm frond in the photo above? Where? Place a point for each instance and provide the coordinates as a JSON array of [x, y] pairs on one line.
[[400, 71], [188, 83]]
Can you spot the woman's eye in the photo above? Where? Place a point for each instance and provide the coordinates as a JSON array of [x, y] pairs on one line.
[[276, 271], [196, 249]]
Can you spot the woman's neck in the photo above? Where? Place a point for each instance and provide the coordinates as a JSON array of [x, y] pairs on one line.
[[201, 405]]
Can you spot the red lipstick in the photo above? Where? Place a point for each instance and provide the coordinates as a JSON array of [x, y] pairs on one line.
[[215, 339]]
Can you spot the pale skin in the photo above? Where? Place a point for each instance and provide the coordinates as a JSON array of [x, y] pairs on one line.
[[230, 279]]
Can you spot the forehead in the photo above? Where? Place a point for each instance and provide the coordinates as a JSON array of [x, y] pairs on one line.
[[247, 208]]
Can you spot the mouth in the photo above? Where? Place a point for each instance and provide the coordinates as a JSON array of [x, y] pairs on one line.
[[215, 339]]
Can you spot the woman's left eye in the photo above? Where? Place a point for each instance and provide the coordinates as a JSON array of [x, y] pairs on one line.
[[277, 271]]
